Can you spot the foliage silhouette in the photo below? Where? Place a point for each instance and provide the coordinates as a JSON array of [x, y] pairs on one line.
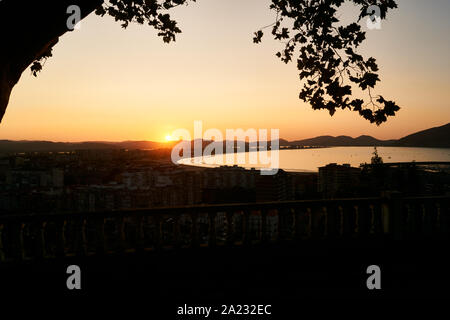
[[327, 52], [327, 59]]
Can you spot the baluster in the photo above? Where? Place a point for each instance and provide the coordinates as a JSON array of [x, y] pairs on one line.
[[257, 231], [212, 229], [407, 222], [230, 228], [194, 232], [147, 228], [52, 239], [309, 229], [419, 217], [341, 220], [164, 227], [176, 238], [72, 237], [12, 241], [423, 215], [347, 219], [445, 217], [325, 221], [101, 240], [21, 242], [84, 240], [317, 221], [246, 228], [156, 220], [286, 223], [434, 217], [385, 218], [332, 220], [28, 242], [412, 218], [378, 213], [280, 233], [43, 227], [372, 225], [140, 233], [302, 223], [356, 219], [128, 234], [60, 238], [365, 218], [291, 223], [397, 219], [297, 225], [263, 236], [438, 218], [431, 215], [122, 235]]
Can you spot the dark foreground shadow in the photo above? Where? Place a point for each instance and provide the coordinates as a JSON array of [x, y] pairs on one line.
[[258, 274]]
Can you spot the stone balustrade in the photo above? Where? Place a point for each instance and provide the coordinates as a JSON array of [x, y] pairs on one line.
[[37, 236]]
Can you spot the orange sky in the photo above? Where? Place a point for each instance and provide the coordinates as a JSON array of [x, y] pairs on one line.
[[106, 83]]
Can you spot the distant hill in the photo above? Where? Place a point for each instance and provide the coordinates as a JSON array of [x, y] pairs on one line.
[[330, 141], [9, 146], [137, 144], [48, 146], [438, 137]]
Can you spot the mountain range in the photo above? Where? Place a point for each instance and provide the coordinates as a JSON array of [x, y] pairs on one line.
[[438, 137]]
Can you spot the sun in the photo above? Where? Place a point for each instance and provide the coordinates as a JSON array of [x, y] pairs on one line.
[[169, 138]]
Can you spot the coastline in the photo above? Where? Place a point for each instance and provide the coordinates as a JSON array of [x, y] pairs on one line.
[[360, 155]]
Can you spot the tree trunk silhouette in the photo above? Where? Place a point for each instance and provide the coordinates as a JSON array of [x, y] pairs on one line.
[[28, 30]]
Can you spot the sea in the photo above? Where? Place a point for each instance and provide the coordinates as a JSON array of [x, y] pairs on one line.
[[309, 160]]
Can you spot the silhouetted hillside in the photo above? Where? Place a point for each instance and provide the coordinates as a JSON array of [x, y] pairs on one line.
[[435, 137], [371, 141], [8, 146], [48, 146], [438, 137], [330, 141], [137, 144]]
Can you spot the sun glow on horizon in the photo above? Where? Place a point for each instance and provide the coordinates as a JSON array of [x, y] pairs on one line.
[[169, 138]]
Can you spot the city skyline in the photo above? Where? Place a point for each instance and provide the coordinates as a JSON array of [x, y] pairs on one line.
[[104, 83]]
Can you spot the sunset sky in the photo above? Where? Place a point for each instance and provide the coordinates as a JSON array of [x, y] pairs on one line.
[[107, 83]]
